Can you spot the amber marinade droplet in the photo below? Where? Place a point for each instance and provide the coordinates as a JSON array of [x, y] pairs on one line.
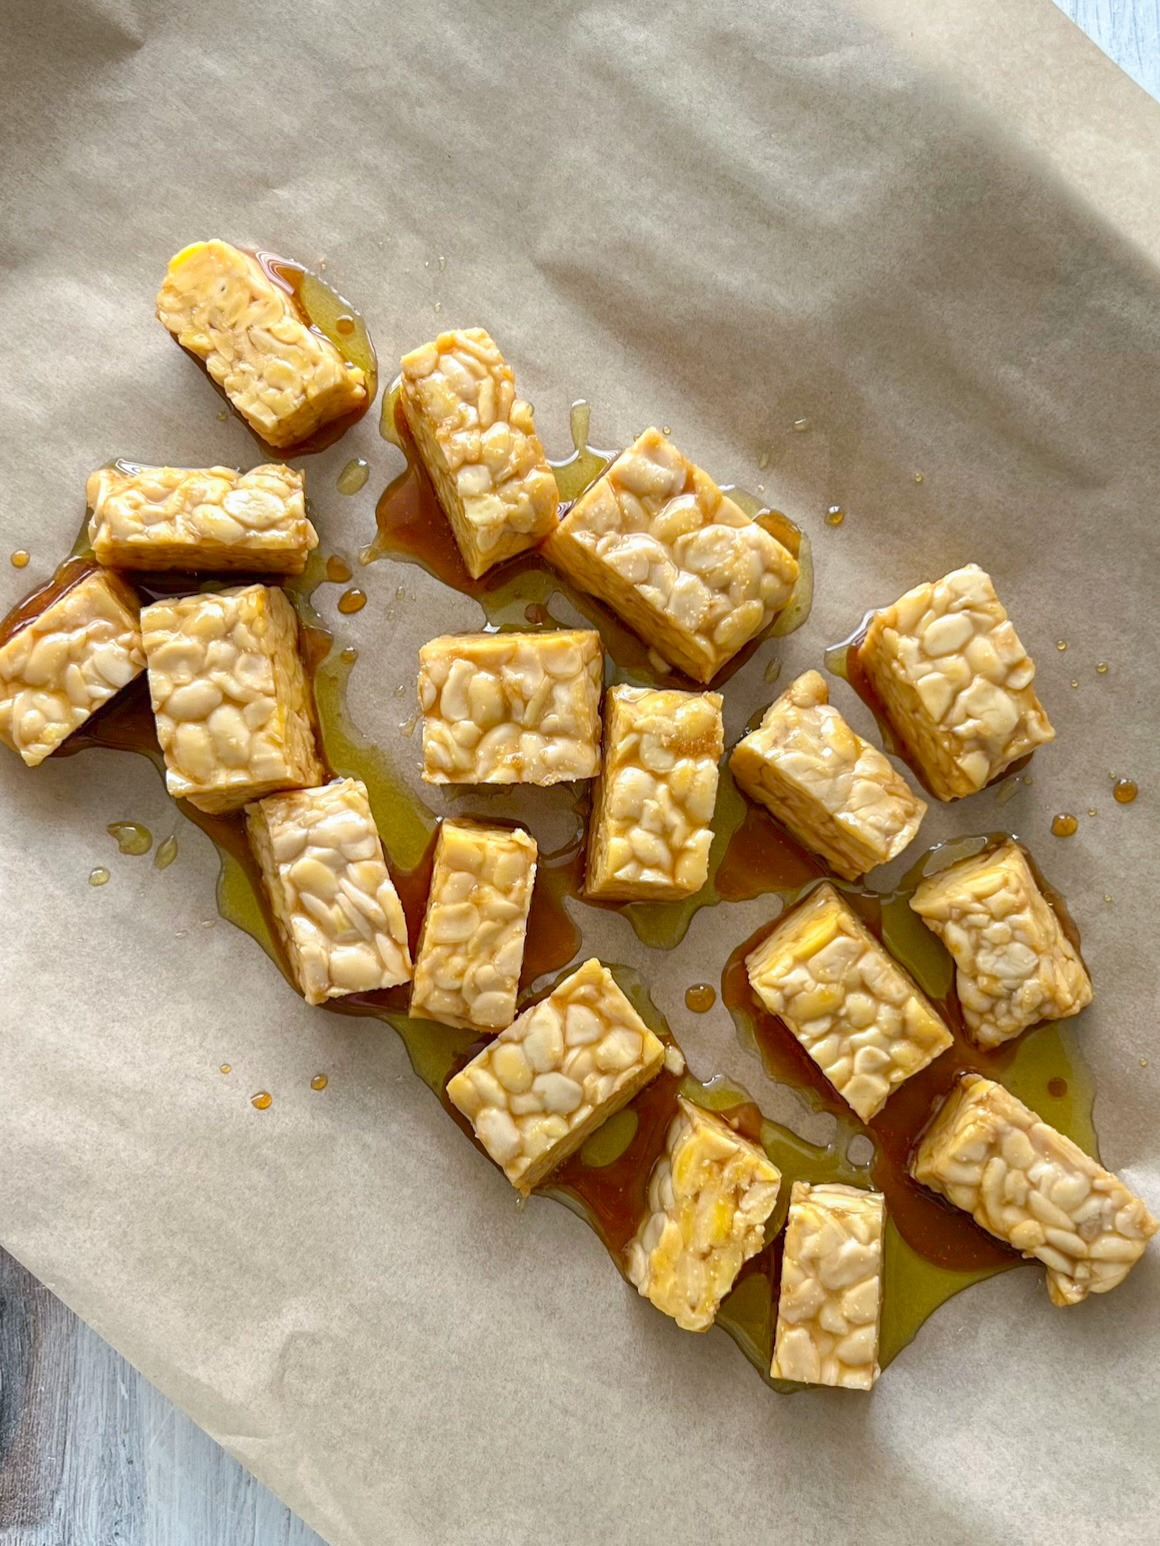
[[262, 1100], [337, 569], [353, 476], [700, 998], [319, 1082], [1063, 825], [227, 1068], [835, 515], [131, 836], [352, 600], [19, 559], [1124, 791], [99, 876], [166, 853]]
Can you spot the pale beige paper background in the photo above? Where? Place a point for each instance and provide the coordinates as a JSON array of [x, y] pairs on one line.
[[941, 247]]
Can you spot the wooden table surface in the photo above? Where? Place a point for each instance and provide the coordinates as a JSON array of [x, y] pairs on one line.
[[90, 1453]]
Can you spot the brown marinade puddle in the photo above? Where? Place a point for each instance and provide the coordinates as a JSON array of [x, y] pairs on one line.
[[932, 1251]]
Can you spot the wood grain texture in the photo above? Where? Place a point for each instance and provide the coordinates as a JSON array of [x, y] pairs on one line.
[[90, 1453], [1128, 30]]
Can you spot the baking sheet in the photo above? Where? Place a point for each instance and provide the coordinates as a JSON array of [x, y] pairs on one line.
[[924, 237]]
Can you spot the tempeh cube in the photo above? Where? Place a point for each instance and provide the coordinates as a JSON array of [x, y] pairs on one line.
[[285, 379], [230, 696], [835, 792], [65, 651], [511, 708], [653, 805], [479, 446], [954, 682], [200, 519], [1029, 1185], [830, 1306], [535, 1093], [656, 540], [1014, 964], [709, 1196], [467, 970], [860, 1017], [335, 905]]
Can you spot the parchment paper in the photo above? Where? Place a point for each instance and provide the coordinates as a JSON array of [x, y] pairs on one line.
[[934, 238]]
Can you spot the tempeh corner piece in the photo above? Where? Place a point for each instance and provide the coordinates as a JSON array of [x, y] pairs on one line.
[[230, 696], [658, 542], [653, 805], [64, 652], [1027, 1184], [861, 1018], [835, 792], [830, 1307], [1014, 965], [334, 902], [954, 682], [566, 1065], [210, 519], [471, 951], [511, 708], [479, 446], [285, 379], [709, 1196]]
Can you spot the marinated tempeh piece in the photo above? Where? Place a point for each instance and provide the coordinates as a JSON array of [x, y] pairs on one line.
[[285, 379], [954, 682], [467, 970], [64, 652], [479, 446], [860, 1017], [1014, 964], [653, 805], [657, 541], [1029, 1185], [831, 1287], [835, 792], [335, 905], [709, 1196], [200, 519], [567, 1064], [230, 696], [511, 708]]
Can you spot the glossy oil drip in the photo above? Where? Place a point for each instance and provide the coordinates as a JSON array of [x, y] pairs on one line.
[[932, 1251]]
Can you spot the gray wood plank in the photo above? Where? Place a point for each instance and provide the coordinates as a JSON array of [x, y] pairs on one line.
[[90, 1453], [1128, 30]]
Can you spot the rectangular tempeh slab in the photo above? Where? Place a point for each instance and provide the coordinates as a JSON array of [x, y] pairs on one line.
[[831, 1287], [1029, 1185], [709, 1196], [479, 446], [199, 519], [860, 1017], [71, 648], [1014, 964], [230, 696], [657, 541], [653, 806], [467, 970], [835, 792], [955, 682], [283, 378], [566, 1065], [335, 905], [511, 708]]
